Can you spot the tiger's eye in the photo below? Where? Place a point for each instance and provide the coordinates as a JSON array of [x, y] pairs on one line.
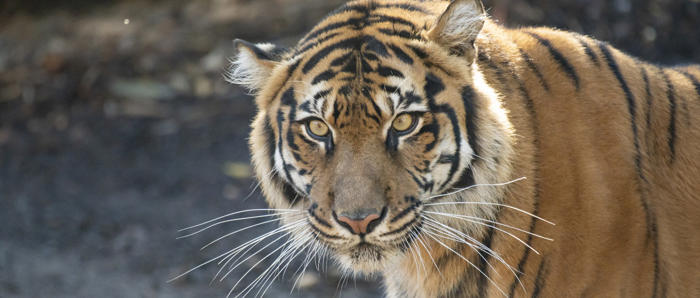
[[403, 122], [318, 128]]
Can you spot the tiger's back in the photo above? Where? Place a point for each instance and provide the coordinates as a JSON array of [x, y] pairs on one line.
[[607, 143], [615, 144]]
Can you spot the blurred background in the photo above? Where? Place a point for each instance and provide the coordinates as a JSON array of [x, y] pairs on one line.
[[117, 129]]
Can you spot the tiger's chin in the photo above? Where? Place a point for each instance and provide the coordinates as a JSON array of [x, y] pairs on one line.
[[365, 258]]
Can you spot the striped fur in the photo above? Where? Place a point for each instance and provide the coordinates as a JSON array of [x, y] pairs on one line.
[[608, 144]]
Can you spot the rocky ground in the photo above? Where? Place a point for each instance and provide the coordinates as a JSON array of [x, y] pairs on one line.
[[117, 129]]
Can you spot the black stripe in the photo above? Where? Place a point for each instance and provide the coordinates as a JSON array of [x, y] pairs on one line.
[[565, 65], [399, 33], [540, 279], [315, 43], [470, 117], [379, 18], [323, 53], [376, 46], [670, 94], [694, 80], [324, 76], [535, 69], [386, 71], [401, 54], [650, 219], [406, 211], [403, 227], [317, 230], [482, 263], [647, 90], [320, 220], [529, 104], [588, 50]]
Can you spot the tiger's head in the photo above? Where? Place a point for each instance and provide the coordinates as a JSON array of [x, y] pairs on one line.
[[377, 113]]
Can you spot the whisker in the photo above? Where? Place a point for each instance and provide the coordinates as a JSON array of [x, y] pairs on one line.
[[493, 227], [238, 263], [420, 239], [237, 231], [470, 263], [473, 244], [474, 218], [238, 212], [482, 247], [492, 204], [472, 186]]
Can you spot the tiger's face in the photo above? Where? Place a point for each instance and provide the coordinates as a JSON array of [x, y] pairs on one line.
[[363, 126]]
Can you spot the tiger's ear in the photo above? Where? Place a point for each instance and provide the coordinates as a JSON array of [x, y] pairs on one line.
[[458, 27], [253, 63]]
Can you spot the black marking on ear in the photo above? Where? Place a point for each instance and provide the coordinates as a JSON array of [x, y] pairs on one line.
[[670, 94], [257, 51], [470, 115], [386, 71], [401, 54], [533, 67], [565, 65]]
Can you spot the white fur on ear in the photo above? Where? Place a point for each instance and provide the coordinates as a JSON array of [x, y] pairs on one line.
[[460, 24], [252, 65]]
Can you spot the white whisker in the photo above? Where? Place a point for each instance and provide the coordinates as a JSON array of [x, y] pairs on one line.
[[472, 186], [238, 212], [491, 204]]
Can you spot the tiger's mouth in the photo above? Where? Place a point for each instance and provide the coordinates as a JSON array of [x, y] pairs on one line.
[[373, 251]]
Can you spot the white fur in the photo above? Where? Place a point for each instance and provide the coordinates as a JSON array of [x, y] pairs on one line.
[[249, 71], [464, 22]]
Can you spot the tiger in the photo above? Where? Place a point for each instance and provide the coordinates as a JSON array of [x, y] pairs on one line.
[[423, 142]]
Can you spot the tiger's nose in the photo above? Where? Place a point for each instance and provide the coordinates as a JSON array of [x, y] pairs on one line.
[[361, 222]]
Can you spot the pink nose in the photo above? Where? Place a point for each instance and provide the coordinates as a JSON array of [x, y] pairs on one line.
[[361, 225]]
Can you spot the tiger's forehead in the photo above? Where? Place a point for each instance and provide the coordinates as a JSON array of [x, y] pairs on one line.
[[358, 63]]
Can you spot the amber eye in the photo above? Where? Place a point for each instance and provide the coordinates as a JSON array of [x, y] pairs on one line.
[[403, 122], [317, 128]]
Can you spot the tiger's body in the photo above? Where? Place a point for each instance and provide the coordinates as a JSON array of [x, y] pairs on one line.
[[609, 146]]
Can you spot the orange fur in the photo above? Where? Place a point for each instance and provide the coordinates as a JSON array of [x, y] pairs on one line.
[[608, 145]]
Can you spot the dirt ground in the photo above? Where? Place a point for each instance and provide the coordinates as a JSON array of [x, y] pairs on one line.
[[117, 129]]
